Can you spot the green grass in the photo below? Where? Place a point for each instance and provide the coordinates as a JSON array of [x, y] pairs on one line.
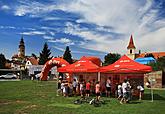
[[33, 97]]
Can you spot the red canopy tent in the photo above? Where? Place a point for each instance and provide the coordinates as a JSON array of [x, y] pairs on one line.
[[126, 65], [83, 65], [125, 68]]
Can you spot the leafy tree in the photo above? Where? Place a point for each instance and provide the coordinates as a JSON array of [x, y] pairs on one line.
[[111, 58], [159, 64], [2, 61], [149, 55], [67, 55], [44, 55]]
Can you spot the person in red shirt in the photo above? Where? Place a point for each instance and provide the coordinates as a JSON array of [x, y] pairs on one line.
[[88, 86]]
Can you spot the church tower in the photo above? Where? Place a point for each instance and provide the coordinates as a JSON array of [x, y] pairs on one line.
[[131, 49], [21, 50]]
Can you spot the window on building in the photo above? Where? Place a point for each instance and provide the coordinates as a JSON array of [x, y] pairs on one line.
[[130, 51]]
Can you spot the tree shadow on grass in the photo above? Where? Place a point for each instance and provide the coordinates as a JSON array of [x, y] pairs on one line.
[[155, 97]]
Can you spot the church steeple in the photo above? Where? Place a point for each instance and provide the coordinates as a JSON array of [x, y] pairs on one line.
[[21, 50], [131, 49], [131, 44]]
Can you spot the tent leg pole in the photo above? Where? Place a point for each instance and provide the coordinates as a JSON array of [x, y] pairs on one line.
[[99, 77]]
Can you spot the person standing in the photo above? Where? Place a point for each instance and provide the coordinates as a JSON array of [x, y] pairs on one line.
[[82, 89], [70, 89], [93, 84], [59, 87], [88, 88], [128, 89], [97, 90], [74, 86], [141, 91], [108, 87], [124, 86], [119, 91]]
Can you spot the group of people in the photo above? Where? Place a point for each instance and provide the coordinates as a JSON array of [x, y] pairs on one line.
[[75, 87], [86, 88], [124, 91]]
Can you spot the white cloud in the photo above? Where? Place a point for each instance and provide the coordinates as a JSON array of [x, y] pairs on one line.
[[153, 41], [124, 17], [62, 40], [33, 33], [48, 37], [95, 41], [58, 48], [7, 27], [5, 7], [80, 52], [52, 33]]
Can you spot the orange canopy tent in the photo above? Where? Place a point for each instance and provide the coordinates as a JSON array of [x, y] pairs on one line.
[[83, 65], [126, 65]]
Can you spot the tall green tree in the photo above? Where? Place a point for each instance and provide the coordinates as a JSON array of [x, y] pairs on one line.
[[44, 55], [159, 64], [67, 55], [111, 58], [2, 61]]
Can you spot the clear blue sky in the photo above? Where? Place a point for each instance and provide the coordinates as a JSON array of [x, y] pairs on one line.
[[88, 27]]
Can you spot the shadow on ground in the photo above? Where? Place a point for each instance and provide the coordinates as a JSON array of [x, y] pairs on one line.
[[156, 97]]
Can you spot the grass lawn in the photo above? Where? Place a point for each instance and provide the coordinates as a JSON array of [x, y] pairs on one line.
[[33, 97]]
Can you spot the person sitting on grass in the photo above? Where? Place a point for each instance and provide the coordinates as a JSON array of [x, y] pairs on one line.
[[97, 90]]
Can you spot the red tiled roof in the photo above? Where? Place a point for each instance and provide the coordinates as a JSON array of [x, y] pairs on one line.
[[131, 43], [155, 54], [33, 60], [15, 56]]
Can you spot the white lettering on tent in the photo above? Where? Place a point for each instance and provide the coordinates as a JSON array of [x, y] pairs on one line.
[[117, 66], [63, 65], [50, 62], [77, 65], [56, 62], [81, 61]]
